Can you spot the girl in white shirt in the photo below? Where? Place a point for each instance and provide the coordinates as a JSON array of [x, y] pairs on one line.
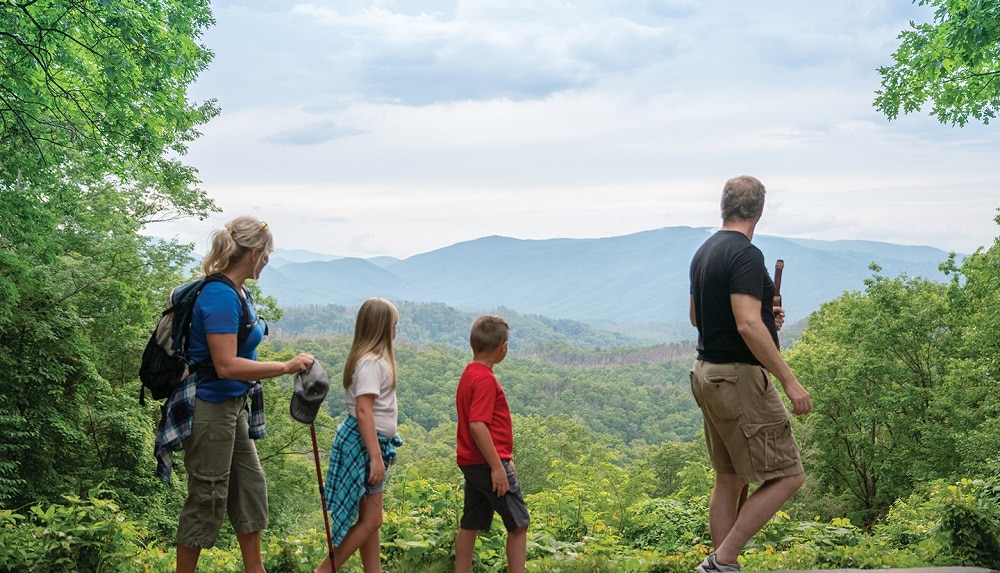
[[370, 392]]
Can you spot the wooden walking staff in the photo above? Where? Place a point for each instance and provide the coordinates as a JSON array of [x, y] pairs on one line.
[[322, 497], [779, 266]]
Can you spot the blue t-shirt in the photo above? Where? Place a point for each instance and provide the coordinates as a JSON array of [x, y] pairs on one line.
[[218, 310]]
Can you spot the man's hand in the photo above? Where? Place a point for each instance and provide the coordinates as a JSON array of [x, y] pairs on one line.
[[779, 317], [801, 401], [746, 310]]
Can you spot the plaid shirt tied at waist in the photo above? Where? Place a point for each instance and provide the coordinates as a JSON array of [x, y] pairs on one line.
[[178, 415], [347, 472]]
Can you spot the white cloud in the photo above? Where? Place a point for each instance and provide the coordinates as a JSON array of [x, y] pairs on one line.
[[391, 127]]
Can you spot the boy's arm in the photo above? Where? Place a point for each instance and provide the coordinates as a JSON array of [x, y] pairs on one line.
[[498, 475]]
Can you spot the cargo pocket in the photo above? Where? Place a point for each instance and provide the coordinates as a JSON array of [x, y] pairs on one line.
[[771, 445], [212, 492]]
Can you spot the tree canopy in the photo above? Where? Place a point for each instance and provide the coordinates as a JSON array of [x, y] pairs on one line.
[[903, 376], [94, 117], [952, 62]]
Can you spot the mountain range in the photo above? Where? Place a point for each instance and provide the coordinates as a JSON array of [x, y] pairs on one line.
[[637, 284]]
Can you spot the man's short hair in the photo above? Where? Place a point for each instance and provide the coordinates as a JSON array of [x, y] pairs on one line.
[[742, 198], [488, 333]]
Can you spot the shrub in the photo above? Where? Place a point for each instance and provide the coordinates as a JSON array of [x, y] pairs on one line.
[[83, 535], [970, 523]]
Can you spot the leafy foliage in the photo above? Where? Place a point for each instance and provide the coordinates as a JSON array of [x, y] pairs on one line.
[[82, 534], [903, 377], [874, 365], [952, 62], [93, 115]]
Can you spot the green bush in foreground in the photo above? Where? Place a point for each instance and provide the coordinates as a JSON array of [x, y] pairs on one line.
[[574, 530], [83, 535]]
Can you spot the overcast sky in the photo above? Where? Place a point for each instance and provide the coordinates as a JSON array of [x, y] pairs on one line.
[[366, 128]]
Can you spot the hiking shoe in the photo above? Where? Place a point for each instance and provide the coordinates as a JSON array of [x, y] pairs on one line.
[[712, 565]]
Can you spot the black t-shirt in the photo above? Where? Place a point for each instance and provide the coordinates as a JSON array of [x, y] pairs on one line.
[[728, 263]]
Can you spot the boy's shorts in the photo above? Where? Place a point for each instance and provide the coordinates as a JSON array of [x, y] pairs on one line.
[[746, 424], [481, 501]]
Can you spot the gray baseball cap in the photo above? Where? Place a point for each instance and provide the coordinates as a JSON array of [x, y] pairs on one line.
[[310, 391]]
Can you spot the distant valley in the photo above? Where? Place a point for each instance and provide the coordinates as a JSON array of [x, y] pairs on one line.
[[634, 284]]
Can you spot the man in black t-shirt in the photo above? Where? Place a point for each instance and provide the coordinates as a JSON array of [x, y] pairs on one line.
[[747, 429]]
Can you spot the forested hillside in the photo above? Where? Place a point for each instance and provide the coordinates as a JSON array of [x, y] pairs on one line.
[[645, 398], [436, 322]]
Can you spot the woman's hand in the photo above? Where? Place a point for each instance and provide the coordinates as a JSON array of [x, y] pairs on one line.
[[301, 363]]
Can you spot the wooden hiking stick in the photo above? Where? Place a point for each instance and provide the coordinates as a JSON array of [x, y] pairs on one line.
[[322, 497], [778, 266]]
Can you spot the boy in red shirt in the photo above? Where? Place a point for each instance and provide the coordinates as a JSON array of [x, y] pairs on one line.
[[485, 450]]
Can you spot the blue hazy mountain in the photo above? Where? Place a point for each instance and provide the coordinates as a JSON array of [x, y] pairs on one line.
[[614, 282]]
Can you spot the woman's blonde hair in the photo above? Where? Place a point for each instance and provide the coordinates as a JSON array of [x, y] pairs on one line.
[[240, 235], [373, 333]]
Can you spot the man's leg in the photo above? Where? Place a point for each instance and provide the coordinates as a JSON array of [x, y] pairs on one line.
[[517, 549], [758, 509], [465, 544], [722, 506]]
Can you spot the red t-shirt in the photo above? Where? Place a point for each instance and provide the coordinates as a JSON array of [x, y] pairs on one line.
[[480, 398]]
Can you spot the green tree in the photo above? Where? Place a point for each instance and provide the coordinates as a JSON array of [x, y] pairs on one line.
[[667, 460], [874, 363], [93, 119], [973, 370], [952, 62]]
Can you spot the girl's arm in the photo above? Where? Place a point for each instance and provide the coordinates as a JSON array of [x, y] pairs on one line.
[[366, 425]]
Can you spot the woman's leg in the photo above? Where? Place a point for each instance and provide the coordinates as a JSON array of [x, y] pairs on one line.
[[187, 558], [247, 501], [250, 549], [208, 454]]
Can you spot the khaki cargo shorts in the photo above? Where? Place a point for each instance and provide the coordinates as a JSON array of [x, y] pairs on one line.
[[746, 424]]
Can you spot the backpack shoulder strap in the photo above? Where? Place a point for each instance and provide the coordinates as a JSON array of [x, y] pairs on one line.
[[181, 313]]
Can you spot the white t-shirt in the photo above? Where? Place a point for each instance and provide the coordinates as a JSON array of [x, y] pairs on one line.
[[373, 375]]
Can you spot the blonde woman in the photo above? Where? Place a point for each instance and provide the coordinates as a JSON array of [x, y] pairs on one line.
[[218, 411], [366, 441]]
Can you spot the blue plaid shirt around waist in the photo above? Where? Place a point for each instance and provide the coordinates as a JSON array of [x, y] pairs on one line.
[[346, 473]]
